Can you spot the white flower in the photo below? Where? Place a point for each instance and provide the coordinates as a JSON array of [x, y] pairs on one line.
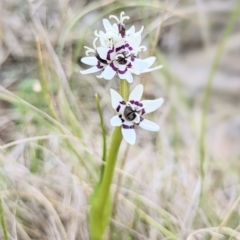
[[122, 60], [118, 52], [119, 59], [130, 114]]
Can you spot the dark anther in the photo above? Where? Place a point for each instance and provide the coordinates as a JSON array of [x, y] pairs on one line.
[[100, 59], [129, 113], [122, 29], [122, 60]]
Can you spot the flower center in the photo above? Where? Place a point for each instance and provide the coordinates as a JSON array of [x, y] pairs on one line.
[[121, 58], [130, 114]]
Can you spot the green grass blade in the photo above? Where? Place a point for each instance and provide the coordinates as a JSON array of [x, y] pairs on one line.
[[3, 222]]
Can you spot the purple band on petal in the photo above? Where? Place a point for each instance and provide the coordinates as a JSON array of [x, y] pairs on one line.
[[123, 47], [129, 47], [113, 67], [129, 65], [99, 65], [137, 103], [120, 116], [109, 53], [122, 72], [128, 127], [132, 58], [122, 102], [143, 111], [118, 108], [119, 48]]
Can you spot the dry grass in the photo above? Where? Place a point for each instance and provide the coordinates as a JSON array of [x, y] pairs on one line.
[[51, 140]]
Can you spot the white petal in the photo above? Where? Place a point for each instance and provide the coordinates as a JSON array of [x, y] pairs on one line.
[[131, 30], [135, 41], [152, 69], [152, 105], [90, 70], [150, 61], [140, 31], [116, 98], [116, 121], [139, 64], [127, 76], [102, 39], [103, 51], [89, 60], [129, 133], [107, 25], [149, 125], [115, 28], [108, 73], [136, 93]]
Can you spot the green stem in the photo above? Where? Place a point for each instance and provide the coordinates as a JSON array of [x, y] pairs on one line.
[[101, 204], [113, 150]]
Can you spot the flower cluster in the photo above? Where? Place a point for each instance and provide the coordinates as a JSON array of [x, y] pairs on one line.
[[118, 52]]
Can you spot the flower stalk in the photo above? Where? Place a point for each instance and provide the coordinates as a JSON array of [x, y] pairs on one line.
[[101, 204]]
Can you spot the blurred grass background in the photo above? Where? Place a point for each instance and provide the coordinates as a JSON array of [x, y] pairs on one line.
[[180, 183]]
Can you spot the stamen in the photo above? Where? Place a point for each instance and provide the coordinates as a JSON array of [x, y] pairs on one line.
[[89, 50], [96, 33], [99, 76], [151, 69], [122, 18], [135, 71], [94, 43], [142, 48], [115, 17]]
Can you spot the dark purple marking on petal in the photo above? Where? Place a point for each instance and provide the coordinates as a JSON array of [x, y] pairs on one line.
[[122, 102], [123, 47], [129, 65], [120, 48], [113, 67], [120, 116], [122, 72], [99, 65], [143, 111], [118, 108], [137, 103], [128, 46], [109, 53], [128, 127], [132, 58], [100, 59]]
